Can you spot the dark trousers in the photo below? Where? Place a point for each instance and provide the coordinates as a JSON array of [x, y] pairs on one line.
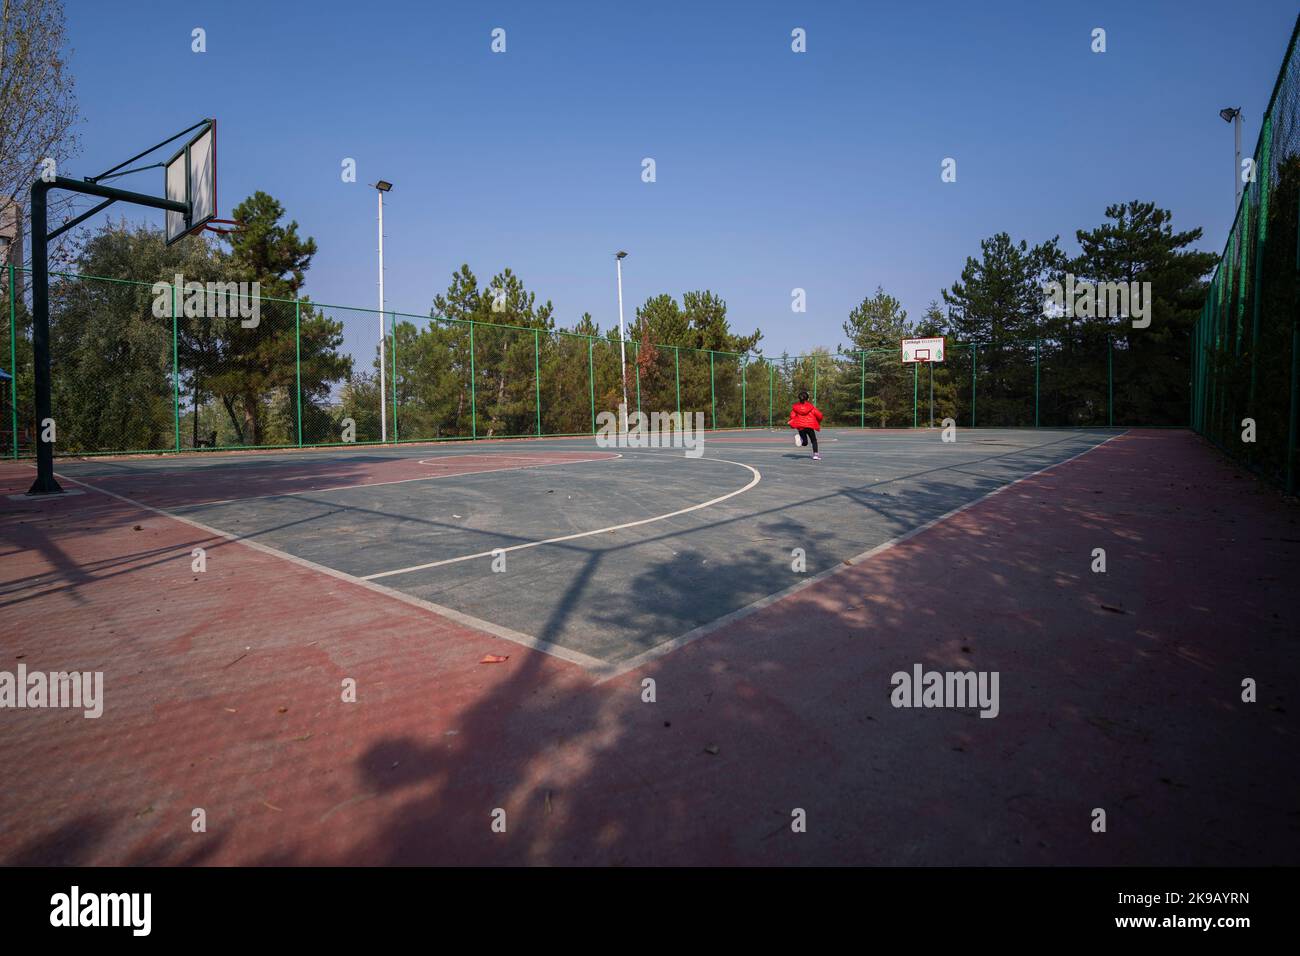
[[809, 438]]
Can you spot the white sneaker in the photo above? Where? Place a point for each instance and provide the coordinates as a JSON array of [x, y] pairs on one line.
[[798, 440]]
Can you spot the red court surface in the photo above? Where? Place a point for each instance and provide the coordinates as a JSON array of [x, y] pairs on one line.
[[1119, 691]]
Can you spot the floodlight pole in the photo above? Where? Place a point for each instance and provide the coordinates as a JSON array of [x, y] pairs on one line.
[[45, 483], [622, 337], [1236, 144], [383, 418], [1232, 114]]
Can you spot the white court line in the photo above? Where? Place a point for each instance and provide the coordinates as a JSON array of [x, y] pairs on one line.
[[592, 664], [582, 534], [395, 481], [436, 459], [740, 613]]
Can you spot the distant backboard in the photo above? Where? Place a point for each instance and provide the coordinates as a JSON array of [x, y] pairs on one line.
[[923, 350], [191, 176]]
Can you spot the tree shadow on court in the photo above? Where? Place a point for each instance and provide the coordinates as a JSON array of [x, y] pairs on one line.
[[788, 711]]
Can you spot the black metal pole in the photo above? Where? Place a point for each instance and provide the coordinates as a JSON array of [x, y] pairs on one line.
[[45, 483]]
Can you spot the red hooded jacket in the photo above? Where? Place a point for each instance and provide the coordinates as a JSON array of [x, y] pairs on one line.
[[806, 415]]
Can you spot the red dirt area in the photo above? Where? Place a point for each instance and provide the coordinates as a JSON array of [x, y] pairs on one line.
[[224, 699]]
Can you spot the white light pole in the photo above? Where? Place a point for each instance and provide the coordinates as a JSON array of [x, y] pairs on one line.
[[382, 187], [1233, 115], [622, 345]]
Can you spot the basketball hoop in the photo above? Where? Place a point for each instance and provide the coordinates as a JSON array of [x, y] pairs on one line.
[[233, 225], [923, 351]]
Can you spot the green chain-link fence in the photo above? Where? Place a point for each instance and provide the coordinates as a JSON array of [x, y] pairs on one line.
[[135, 369], [1246, 344]]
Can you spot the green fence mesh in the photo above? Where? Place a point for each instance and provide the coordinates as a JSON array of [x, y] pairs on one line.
[[1246, 345], [136, 370], [432, 379], [111, 353], [565, 384]]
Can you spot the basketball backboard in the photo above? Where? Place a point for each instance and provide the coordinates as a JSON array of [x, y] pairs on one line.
[[191, 176], [923, 350]]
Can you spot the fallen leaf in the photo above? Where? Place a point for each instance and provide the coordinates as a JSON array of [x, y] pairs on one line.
[[493, 659], [1115, 610], [548, 802], [272, 807], [712, 749], [282, 710]]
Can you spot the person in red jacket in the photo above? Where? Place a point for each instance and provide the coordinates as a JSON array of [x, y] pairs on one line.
[[807, 418]]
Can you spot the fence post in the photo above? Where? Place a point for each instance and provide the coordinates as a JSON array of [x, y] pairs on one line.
[[1195, 414], [1037, 365], [1110, 384], [176, 377], [713, 397], [677, 372], [473, 386], [176, 380], [1211, 332], [974, 356], [1293, 419], [1294, 415], [537, 381], [931, 367], [915, 381], [297, 360], [392, 318], [13, 360], [591, 382]]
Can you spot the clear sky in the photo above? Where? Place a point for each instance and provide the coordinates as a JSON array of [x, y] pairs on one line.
[[775, 170]]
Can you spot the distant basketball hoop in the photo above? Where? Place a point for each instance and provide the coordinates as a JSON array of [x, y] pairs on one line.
[[920, 351]]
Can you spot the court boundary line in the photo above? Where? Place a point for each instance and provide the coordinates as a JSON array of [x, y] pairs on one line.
[[758, 476], [593, 665], [754, 607]]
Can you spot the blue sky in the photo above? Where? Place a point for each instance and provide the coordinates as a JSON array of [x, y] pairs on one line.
[[775, 170]]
